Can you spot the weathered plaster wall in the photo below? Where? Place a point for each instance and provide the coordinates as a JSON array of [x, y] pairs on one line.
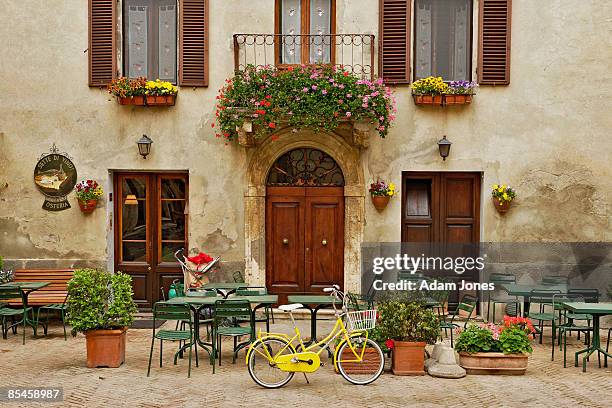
[[547, 134]]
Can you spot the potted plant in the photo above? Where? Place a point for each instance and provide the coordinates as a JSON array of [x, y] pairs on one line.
[[502, 196], [5, 275], [460, 92], [128, 91], [88, 193], [160, 93], [492, 349], [429, 91], [101, 305], [381, 193], [407, 327]]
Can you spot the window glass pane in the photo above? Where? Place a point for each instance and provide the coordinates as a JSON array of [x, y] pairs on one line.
[[137, 23], [167, 43], [442, 38], [173, 188], [134, 251], [168, 250], [133, 221], [291, 15], [320, 25], [173, 220], [134, 186]]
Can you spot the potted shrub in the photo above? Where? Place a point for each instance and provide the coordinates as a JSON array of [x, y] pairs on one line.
[[160, 93], [88, 193], [128, 91], [5, 275], [381, 193], [101, 305], [429, 91], [407, 327], [502, 197], [492, 349], [460, 92]]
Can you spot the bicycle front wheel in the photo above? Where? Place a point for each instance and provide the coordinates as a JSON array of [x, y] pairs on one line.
[[262, 369], [368, 369]]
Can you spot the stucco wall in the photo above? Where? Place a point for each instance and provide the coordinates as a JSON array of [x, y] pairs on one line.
[[547, 134]]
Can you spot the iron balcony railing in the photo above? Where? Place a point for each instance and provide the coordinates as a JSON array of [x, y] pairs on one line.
[[354, 52]]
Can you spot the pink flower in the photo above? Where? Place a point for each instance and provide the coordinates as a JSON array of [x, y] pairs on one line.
[[348, 95], [305, 90], [365, 105], [314, 87], [324, 92], [341, 86], [348, 114], [381, 128]]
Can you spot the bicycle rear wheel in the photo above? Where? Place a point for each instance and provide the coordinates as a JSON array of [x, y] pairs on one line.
[[368, 369], [262, 370]]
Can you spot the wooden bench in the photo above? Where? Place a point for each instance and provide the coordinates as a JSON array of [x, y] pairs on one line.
[[54, 293]]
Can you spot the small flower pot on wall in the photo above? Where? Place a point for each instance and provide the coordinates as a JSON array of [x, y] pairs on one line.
[[87, 206], [494, 363], [408, 358], [380, 202], [132, 100], [427, 99], [502, 207], [106, 348], [161, 100], [460, 99]]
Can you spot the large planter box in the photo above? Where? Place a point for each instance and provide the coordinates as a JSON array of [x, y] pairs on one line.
[[106, 348], [161, 100], [132, 100], [442, 100], [494, 363], [369, 365], [427, 99], [408, 358], [457, 99]]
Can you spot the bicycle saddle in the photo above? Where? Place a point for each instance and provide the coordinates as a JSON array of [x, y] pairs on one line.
[[291, 307]]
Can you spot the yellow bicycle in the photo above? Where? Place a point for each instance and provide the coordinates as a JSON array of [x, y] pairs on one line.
[[273, 360]]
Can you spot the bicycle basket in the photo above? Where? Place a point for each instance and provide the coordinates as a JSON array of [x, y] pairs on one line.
[[361, 320]]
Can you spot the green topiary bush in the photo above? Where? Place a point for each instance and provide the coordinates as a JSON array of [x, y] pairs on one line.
[[100, 300], [406, 321]]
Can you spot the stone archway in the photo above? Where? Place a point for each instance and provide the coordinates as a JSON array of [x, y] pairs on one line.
[[261, 159]]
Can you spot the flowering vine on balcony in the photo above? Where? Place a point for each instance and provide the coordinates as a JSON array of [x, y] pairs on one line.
[[316, 97]]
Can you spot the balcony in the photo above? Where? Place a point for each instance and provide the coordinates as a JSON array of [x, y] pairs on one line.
[[352, 52]]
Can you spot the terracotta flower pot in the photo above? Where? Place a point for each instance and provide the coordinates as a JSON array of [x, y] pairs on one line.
[[369, 364], [161, 100], [87, 206], [106, 348], [380, 202], [427, 99], [502, 207], [408, 358], [494, 363], [131, 100], [457, 99]]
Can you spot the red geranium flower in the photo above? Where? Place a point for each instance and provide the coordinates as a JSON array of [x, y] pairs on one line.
[[389, 343], [272, 125]]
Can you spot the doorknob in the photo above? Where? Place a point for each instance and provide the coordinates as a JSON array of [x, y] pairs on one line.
[[148, 268], [285, 241], [324, 242]]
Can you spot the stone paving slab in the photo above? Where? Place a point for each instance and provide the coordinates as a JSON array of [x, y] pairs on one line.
[[51, 361]]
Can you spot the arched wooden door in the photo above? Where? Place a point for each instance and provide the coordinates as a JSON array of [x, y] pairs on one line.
[[304, 223]]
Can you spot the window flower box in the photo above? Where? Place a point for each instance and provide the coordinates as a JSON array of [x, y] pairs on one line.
[[434, 91], [161, 100], [140, 92], [138, 100], [459, 99], [427, 99]]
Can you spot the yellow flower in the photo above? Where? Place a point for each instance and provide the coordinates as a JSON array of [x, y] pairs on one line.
[[390, 193], [506, 197], [495, 186], [391, 186], [503, 186]]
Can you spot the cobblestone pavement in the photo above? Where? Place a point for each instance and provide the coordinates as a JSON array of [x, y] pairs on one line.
[[51, 361]]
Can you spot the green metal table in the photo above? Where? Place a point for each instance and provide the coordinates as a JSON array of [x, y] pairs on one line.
[[199, 302], [314, 303], [514, 289], [27, 288], [596, 310]]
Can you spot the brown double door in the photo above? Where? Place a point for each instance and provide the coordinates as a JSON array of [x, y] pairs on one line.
[[304, 239], [150, 218]]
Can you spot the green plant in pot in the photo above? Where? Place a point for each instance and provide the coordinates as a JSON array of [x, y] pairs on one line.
[[406, 328], [101, 305], [491, 349]]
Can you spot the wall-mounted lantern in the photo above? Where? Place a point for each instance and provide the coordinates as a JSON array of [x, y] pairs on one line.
[[444, 146], [144, 146]]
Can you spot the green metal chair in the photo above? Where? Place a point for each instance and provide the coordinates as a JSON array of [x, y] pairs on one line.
[[589, 296], [566, 324], [59, 308], [231, 309], [468, 305], [13, 294], [256, 291], [178, 312], [500, 279], [547, 309], [554, 280]]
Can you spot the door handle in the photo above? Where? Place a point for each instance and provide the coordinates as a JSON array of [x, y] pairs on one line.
[[285, 241], [324, 242], [148, 268]]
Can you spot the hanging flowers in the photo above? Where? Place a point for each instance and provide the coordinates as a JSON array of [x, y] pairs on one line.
[[316, 97]]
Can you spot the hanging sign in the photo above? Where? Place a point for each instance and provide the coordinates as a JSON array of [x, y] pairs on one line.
[[55, 177]]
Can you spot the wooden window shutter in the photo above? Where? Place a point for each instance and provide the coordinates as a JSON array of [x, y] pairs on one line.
[[102, 46], [494, 42], [394, 41], [193, 42]]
